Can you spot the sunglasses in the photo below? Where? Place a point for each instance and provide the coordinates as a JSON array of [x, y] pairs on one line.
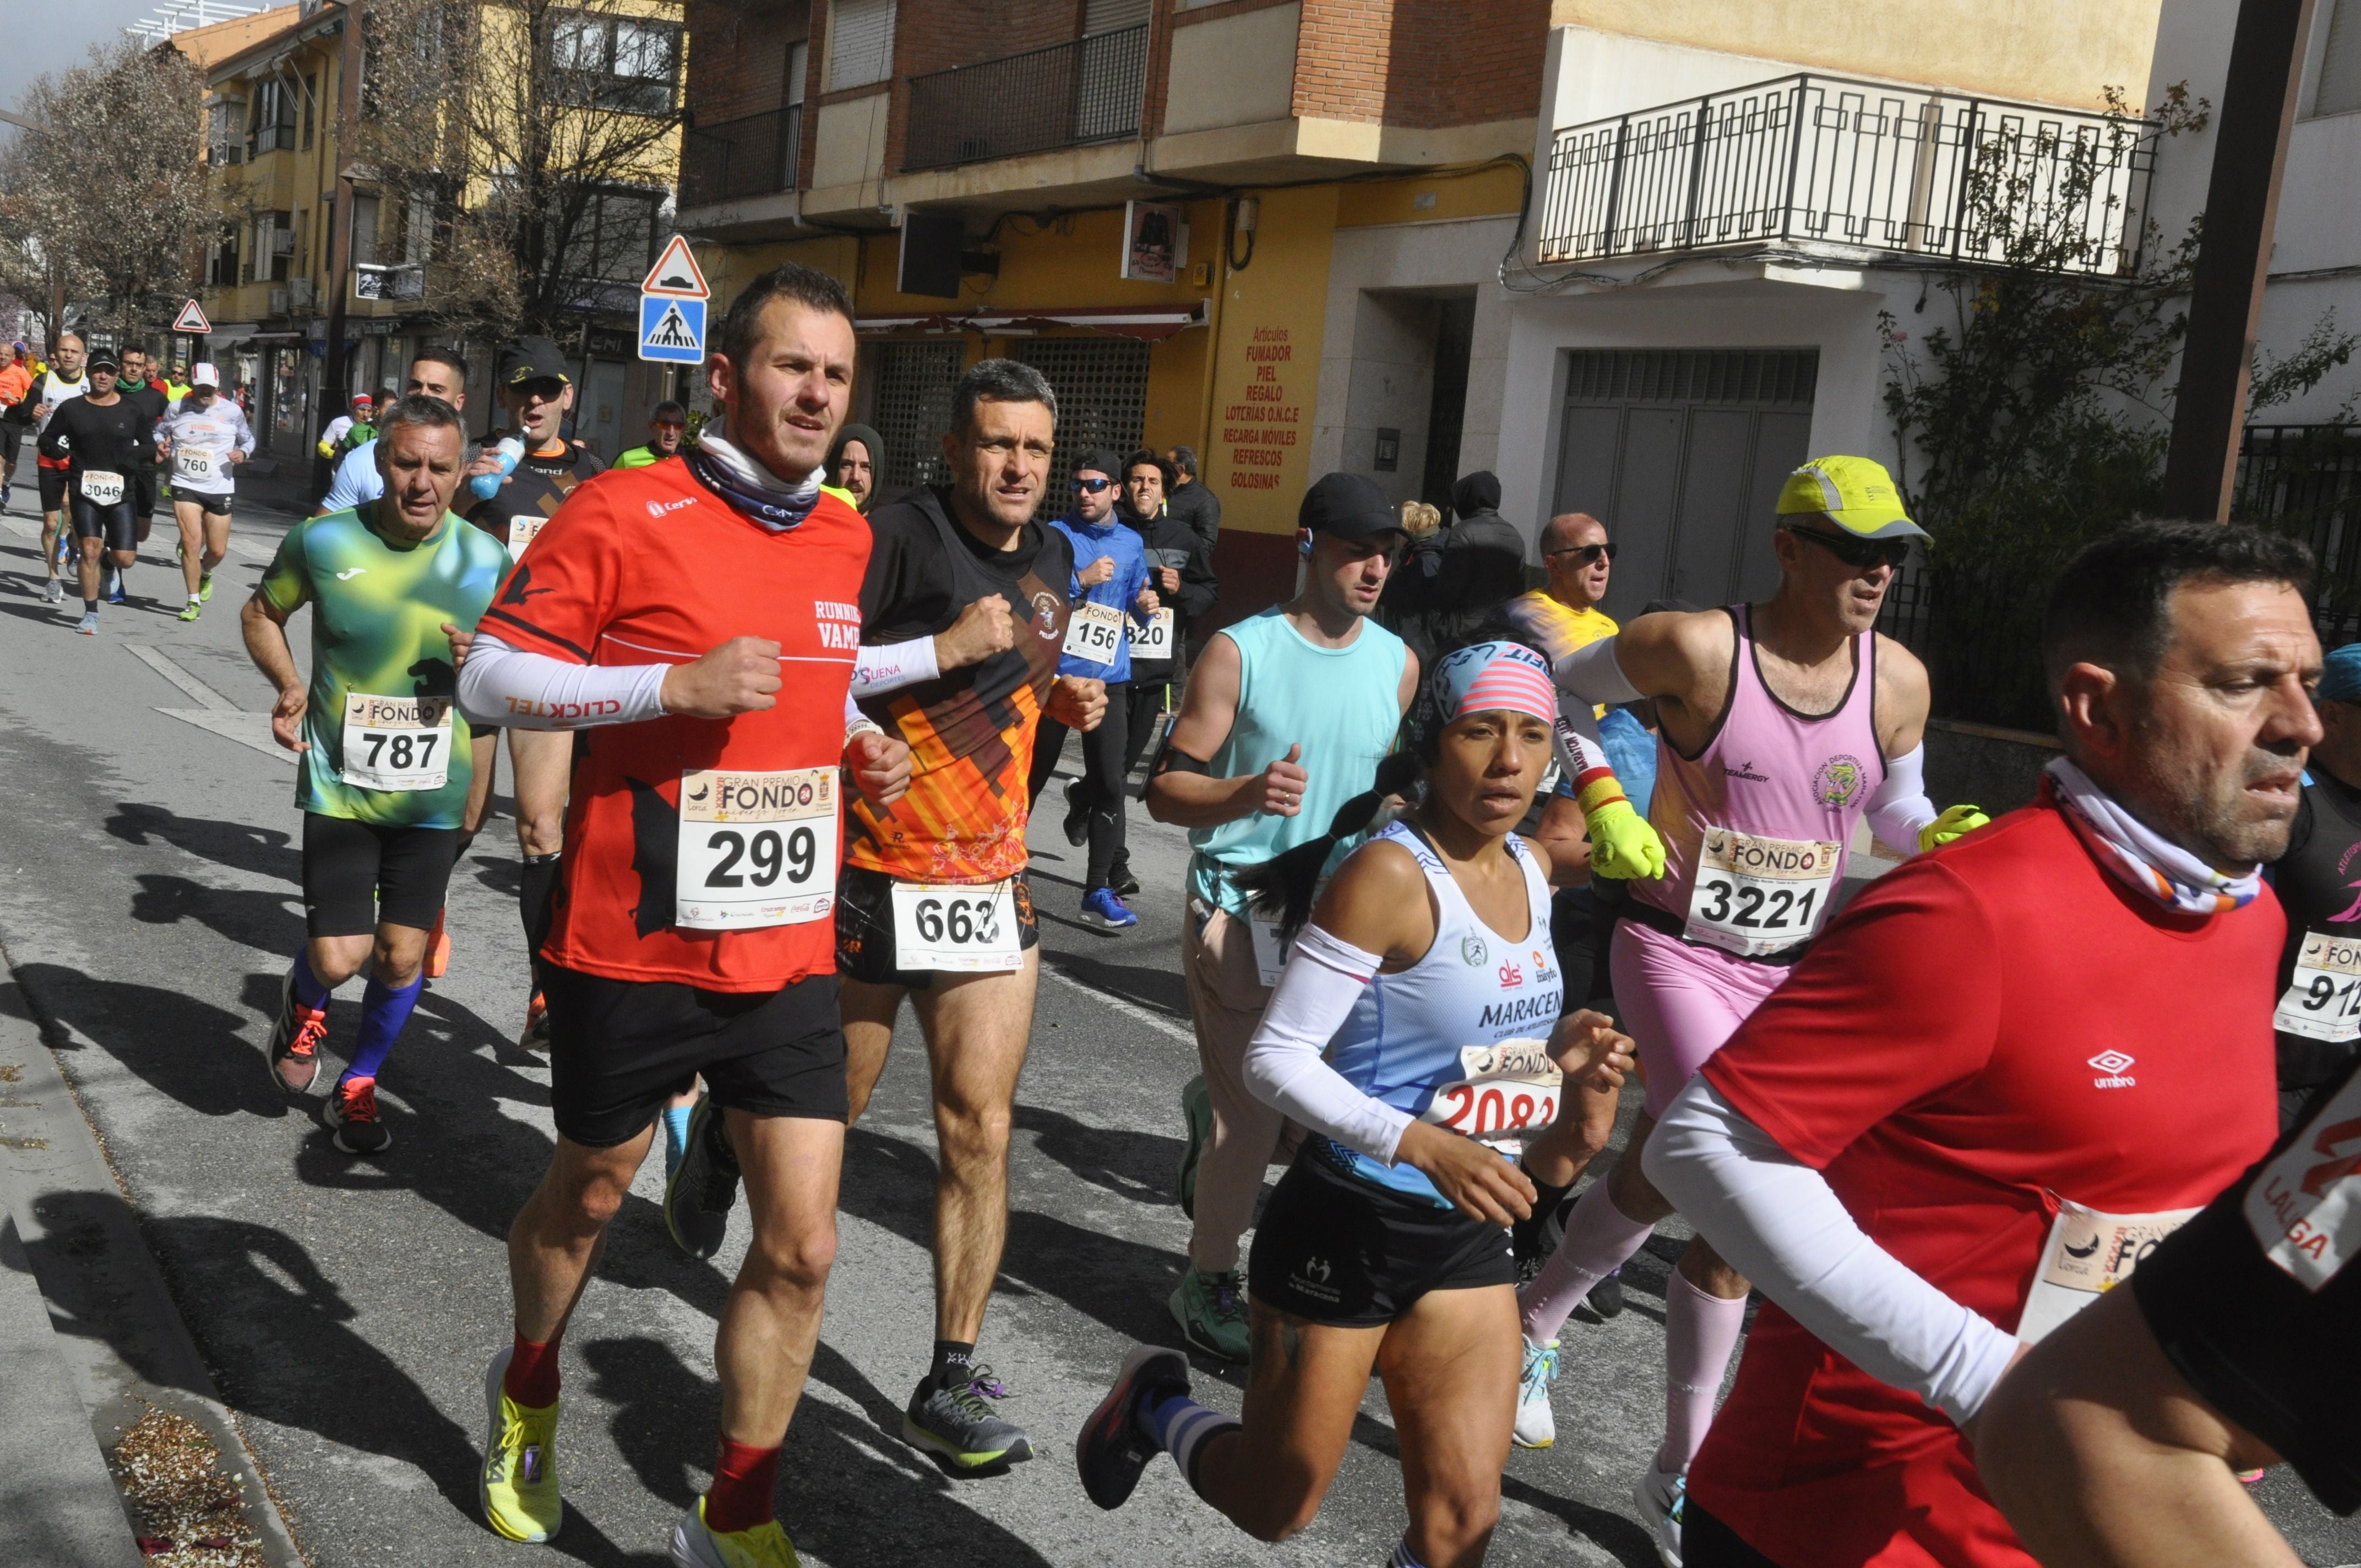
[[1092, 485], [548, 389], [1591, 553], [1860, 554]]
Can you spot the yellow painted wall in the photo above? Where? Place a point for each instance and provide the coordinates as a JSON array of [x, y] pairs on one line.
[[2052, 51], [1266, 370], [1497, 191]]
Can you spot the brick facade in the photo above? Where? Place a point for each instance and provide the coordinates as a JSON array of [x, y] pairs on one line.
[[934, 35], [738, 55], [1422, 64]]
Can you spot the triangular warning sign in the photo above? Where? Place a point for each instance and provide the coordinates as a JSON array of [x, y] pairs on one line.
[[192, 319], [677, 273], [672, 330]]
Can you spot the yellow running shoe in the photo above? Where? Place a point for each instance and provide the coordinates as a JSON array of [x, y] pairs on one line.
[[519, 1482], [764, 1546]]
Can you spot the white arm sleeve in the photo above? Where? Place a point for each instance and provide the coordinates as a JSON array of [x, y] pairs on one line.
[[1284, 1064], [505, 685], [1592, 671], [1579, 750], [1900, 806], [890, 667], [1776, 1221]]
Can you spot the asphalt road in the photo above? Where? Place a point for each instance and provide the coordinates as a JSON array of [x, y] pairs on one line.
[[149, 905]]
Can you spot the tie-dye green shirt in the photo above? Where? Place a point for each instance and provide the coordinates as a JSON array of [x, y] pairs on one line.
[[376, 629]]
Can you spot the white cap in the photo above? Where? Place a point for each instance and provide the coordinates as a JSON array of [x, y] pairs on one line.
[[204, 376]]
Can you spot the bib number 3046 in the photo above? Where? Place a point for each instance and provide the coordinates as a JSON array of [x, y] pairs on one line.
[[397, 742], [756, 849], [969, 929], [1757, 896]]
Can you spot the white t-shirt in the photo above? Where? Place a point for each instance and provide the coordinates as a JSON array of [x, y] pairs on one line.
[[208, 436], [54, 392]]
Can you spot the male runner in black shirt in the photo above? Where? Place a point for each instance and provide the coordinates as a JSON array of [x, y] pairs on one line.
[[103, 437], [2318, 1019]]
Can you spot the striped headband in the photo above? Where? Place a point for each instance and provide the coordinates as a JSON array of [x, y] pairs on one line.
[[1492, 675]]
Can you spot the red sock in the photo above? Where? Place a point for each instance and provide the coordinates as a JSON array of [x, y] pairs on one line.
[[531, 1377], [740, 1497]]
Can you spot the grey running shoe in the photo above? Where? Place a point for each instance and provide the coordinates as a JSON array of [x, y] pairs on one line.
[[953, 1422], [52, 591], [699, 1197], [88, 624], [295, 1041], [1111, 1450]]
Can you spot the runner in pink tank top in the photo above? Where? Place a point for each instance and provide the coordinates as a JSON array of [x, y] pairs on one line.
[[1782, 725]]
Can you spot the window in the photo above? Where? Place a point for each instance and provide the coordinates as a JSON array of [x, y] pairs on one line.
[[274, 247], [365, 211], [859, 43], [1101, 387], [273, 125], [914, 408], [616, 63], [798, 67], [220, 261], [2340, 65], [615, 239], [310, 103], [225, 131]]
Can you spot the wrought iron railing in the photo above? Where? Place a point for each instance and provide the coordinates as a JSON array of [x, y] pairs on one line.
[[1816, 160], [1064, 96], [2305, 479], [759, 155]]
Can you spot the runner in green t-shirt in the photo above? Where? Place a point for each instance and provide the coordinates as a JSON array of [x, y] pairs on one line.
[[384, 755]]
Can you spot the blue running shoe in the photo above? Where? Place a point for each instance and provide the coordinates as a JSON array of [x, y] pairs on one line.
[[1101, 905]]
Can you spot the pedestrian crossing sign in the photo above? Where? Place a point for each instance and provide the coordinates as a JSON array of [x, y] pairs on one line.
[[672, 329]]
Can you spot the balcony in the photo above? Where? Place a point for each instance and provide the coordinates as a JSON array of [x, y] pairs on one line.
[[1818, 160], [731, 159], [1066, 94], [374, 280]]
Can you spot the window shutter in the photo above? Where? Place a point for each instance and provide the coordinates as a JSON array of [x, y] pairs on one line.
[[860, 42], [2340, 67], [798, 66], [1107, 16]]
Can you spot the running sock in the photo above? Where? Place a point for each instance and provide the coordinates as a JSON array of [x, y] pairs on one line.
[[537, 906], [309, 992], [1700, 1331], [1599, 1238], [1526, 1234], [1181, 1426], [532, 1376], [951, 1353], [740, 1497], [384, 1010], [675, 1120], [1403, 1556]]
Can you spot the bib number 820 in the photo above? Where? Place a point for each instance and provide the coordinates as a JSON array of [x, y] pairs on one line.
[[962, 921], [769, 854]]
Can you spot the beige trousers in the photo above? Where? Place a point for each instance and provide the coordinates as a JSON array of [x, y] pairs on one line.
[[1226, 997]]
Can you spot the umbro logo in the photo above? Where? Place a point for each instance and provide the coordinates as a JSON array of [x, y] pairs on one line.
[[2111, 1066]]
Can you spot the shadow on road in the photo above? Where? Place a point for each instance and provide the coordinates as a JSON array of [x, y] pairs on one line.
[[265, 851]]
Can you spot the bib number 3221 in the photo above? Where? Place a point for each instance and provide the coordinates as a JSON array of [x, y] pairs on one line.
[[1757, 896], [756, 849], [397, 742]]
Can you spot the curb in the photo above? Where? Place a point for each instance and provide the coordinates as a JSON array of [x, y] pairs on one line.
[[118, 1331]]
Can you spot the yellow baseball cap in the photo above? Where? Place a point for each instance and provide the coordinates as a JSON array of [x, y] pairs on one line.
[[1856, 493]]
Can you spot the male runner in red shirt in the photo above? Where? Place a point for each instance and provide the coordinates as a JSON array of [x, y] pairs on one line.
[[693, 932], [2006, 1070]]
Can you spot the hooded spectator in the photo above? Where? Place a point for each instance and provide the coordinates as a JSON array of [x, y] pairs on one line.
[[856, 465]]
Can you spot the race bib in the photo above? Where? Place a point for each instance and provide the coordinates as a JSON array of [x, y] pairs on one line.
[[2323, 996], [1093, 632], [1509, 1092], [969, 930], [522, 532], [2087, 1254], [1153, 641], [100, 488], [1756, 896], [1271, 953], [756, 849], [397, 742], [194, 463], [2304, 1207]]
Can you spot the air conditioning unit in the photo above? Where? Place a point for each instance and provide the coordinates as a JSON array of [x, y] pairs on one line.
[[278, 302], [299, 291]]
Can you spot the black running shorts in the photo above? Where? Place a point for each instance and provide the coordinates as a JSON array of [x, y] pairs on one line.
[[864, 929], [53, 489], [217, 505], [359, 874], [113, 523], [620, 1049], [143, 493], [1334, 1249]]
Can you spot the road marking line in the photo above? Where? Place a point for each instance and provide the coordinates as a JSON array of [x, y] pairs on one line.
[[1131, 1010], [245, 728], [31, 530], [265, 553], [179, 677]]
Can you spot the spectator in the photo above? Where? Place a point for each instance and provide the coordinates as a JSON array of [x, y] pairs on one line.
[[15, 413], [1420, 521], [856, 465], [1190, 501], [667, 437], [1180, 570], [1453, 580]]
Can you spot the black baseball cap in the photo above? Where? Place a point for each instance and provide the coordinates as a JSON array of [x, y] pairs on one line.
[[531, 359], [1100, 460], [1349, 506], [103, 359]]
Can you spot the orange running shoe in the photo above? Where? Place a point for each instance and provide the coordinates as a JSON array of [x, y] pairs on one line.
[[536, 1024], [438, 948]]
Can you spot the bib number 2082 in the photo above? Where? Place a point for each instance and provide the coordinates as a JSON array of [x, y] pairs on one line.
[[756, 849]]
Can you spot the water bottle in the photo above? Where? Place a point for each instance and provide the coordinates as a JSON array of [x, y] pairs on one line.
[[511, 451]]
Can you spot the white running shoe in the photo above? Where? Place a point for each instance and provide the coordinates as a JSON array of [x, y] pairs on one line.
[[1659, 1497], [1536, 1422], [51, 592]]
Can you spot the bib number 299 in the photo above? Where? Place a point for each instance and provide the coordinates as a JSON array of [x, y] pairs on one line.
[[756, 849]]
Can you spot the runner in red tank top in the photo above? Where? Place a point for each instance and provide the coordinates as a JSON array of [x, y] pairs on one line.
[[695, 925]]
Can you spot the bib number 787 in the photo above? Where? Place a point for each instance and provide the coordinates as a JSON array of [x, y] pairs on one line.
[[755, 848]]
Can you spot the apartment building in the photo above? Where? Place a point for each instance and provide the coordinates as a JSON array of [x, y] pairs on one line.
[[1254, 227], [274, 84]]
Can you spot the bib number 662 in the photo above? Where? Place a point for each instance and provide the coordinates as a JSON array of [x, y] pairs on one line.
[[763, 853], [961, 922]]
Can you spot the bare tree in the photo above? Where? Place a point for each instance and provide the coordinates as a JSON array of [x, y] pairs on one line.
[[533, 144], [109, 208]]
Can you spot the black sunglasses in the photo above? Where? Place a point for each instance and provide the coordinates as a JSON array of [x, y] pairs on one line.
[[1860, 554], [1591, 553], [1092, 485]]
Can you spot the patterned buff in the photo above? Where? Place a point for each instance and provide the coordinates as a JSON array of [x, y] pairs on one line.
[[734, 476], [2145, 859], [1488, 676]]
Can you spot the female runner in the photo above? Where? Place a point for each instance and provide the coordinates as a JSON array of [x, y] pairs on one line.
[[1426, 972]]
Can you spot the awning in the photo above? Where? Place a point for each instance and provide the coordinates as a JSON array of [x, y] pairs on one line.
[[1122, 320], [228, 332]]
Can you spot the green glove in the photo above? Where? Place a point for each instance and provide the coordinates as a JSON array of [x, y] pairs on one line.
[[1953, 824], [1623, 845]]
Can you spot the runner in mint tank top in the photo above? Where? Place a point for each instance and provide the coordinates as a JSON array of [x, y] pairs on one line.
[[1415, 1035], [1285, 716], [1783, 725]]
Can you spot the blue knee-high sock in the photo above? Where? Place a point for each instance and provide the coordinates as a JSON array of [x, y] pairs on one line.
[[675, 1121], [384, 1010], [309, 992]]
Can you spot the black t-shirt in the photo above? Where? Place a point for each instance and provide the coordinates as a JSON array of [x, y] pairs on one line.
[[2253, 1301], [912, 589], [534, 491], [110, 440], [2319, 884], [153, 405]]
